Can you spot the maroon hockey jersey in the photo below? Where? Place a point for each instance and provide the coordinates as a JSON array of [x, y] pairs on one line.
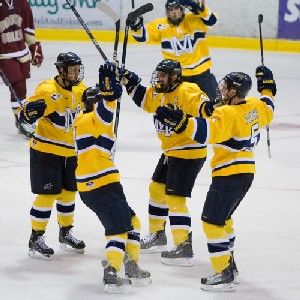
[[16, 20]]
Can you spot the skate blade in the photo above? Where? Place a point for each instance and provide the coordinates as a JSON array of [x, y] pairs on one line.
[[68, 248], [181, 262], [154, 249], [236, 278], [35, 254], [224, 287], [117, 289], [140, 282]]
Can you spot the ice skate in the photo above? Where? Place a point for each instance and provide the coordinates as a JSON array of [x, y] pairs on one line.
[[181, 255], [235, 270], [219, 282], [37, 246], [154, 242], [137, 276], [112, 283], [68, 242], [26, 130]]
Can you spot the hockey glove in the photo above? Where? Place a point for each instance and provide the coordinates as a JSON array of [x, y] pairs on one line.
[[36, 54], [173, 117], [129, 79], [265, 80], [211, 104], [109, 86], [137, 24], [32, 111], [193, 5]]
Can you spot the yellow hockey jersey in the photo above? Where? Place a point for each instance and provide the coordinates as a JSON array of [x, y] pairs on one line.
[[234, 131], [95, 138], [185, 42], [189, 98], [53, 133]]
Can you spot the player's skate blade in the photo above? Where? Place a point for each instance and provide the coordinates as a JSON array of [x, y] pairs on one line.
[[68, 248], [181, 262], [35, 254], [154, 249]]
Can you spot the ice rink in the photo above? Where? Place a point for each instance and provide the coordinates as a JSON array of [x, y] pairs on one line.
[[267, 222]]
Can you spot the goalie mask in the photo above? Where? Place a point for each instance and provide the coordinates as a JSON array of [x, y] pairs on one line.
[[174, 12], [70, 68], [234, 84], [167, 76]]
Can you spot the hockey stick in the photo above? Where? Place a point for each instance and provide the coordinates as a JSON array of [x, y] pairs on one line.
[[6, 81], [116, 19], [87, 31], [260, 20], [130, 19], [132, 4]]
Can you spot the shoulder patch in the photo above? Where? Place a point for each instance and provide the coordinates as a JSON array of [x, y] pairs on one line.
[[162, 26], [54, 97]]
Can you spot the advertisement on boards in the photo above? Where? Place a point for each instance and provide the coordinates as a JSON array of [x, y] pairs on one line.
[[289, 19], [58, 14]]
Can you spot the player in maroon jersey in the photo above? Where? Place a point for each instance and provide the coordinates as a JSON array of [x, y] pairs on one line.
[[18, 47]]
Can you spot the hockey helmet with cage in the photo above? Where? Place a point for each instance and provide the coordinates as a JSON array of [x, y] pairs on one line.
[[173, 69], [63, 62], [90, 96], [174, 3], [240, 82]]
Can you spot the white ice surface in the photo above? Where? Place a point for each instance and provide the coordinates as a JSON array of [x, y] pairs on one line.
[[267, 222]]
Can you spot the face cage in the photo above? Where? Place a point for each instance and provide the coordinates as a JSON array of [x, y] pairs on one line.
[[222, 91], [175, 21], [65, 74], [158, 87]]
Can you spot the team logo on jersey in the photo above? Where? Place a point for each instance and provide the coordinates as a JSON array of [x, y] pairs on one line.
[[162, 26], [162, 128], [70, 116], [184, 45], [54, 97]]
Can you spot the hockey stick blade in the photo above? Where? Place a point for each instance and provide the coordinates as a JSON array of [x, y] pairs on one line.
[[260, 18], [107, 10], [7, 83], [138, 12], [116, 19]]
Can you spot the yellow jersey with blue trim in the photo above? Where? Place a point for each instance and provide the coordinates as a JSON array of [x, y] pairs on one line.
[[95, 139], [185, 42], [234, 131], [188, 97], [53, 132]]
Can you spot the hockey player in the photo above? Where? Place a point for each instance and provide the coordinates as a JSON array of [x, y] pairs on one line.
[[234, 130], [16, 33], [183, 38], [98, 182], [53, 161], [178, 166]]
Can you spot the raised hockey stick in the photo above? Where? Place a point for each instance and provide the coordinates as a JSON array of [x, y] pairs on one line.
[[130, 19], [260, 20], [132, 4], [116, 19], [6, 81], [87, 31]]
